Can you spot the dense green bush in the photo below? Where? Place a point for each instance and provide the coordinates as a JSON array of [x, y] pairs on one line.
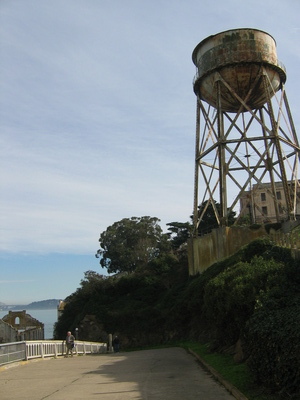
[[230, 298], [272, 334], [273, 342], [125, 304]]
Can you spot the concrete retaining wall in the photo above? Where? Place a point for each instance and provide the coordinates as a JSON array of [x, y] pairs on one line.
[[221, 243]]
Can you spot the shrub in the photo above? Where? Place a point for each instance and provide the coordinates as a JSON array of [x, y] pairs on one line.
[[273, 340], [231, 297]]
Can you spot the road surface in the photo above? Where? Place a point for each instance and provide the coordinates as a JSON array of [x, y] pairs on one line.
[[160, 374]]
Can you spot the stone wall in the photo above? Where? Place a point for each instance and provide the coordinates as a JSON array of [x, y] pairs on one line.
[[27, 327]]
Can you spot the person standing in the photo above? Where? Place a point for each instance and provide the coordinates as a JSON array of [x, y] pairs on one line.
[[116, 344], [69, 344]]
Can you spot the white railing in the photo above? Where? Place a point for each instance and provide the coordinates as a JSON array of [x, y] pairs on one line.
[[20, 351]]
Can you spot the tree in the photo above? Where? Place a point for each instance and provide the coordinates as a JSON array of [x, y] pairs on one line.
[[130, 244], [209, 220], [179, 233], [92, 278]]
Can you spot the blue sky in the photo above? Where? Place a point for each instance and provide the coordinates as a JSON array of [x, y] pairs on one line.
[[97, 122]]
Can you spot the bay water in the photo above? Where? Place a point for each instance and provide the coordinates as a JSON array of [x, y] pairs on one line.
[[47, 317]]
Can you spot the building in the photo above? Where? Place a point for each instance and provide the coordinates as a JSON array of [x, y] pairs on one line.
[[262, 206], [60, 308], [8, 333], [18, 326]]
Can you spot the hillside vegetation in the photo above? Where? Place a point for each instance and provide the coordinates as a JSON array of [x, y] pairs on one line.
[[251, 299]]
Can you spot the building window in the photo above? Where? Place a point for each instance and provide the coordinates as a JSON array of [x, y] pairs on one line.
[[263, 196], [265, 210], [278, 195]]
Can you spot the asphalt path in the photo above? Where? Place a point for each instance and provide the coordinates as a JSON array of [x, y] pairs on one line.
[[160, 374]]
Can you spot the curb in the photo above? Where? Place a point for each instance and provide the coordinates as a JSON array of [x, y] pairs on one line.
[[15, 364], [228, 386], [12, 365]]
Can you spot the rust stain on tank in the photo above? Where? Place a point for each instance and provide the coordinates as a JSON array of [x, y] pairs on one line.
[[238, 56]]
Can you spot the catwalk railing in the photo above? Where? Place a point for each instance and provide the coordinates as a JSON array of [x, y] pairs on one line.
[[22, 351]]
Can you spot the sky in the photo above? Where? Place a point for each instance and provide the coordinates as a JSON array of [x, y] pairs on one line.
[[97, 123]]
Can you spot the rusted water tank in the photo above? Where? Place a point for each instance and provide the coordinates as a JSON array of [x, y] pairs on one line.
[[237, 55]]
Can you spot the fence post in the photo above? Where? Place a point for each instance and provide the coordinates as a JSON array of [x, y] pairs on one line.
[[26, 352], [42, 350]]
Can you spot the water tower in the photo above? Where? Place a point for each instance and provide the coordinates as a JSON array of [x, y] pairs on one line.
[[245, 136]]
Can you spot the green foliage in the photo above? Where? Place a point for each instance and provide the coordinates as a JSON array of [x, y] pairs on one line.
[[244, 220], [273, 341], [130, 244], [256, 248], [179, 232], [124, 304], [230, 298], [273, 337], [209, 214], [169, 269], [90, 299]]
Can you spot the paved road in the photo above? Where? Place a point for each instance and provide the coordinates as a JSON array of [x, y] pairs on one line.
[[162, 374]]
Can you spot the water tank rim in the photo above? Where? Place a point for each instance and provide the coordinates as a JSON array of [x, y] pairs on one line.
[[278, 68], [197, 80], [219, 33]]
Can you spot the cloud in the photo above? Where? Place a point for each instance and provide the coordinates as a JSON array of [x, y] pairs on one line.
[[98, 112]]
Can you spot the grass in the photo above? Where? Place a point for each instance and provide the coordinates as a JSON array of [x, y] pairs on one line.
[[237, 374]]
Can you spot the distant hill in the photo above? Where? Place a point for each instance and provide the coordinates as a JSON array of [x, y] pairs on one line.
[[43, 304], [36, 305]]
